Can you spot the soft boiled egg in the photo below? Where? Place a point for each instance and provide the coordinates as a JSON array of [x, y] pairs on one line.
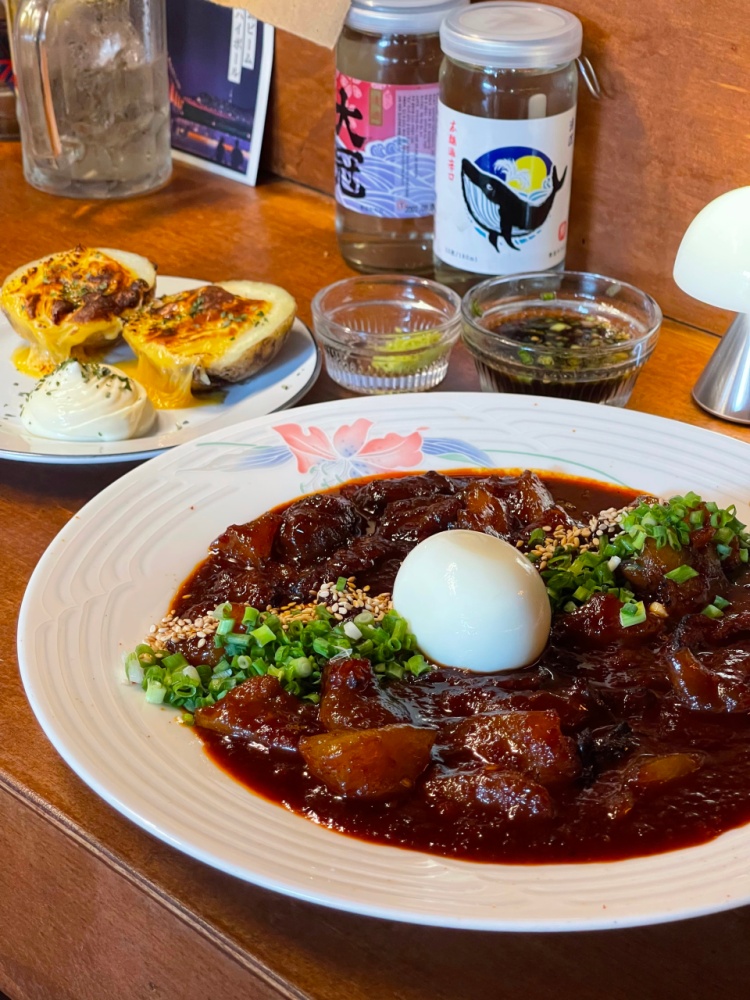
[[473, 600]]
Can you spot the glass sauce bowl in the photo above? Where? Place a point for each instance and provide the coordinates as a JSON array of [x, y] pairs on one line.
[[387, 333], [566, 333]]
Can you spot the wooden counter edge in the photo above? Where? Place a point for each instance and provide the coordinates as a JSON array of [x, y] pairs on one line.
[[130, 955]]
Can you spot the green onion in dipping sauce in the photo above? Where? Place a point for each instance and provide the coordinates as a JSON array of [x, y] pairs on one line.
[[557, 330], [560, 349]]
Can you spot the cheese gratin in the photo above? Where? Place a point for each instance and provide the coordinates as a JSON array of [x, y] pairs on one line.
[[197, 339], [74, 301]]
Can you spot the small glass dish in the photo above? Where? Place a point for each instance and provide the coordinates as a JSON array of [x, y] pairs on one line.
[[387, 333], [560, 333]]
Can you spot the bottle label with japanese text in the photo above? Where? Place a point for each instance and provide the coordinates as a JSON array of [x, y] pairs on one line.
[[385, 148], [502, 191]]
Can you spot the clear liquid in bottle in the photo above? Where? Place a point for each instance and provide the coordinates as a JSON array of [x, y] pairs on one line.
[[386, 119]]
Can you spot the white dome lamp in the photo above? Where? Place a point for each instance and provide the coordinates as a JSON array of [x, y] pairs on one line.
[[713, 265]]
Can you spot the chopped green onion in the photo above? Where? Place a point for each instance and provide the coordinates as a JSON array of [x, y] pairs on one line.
[[133, 668], [225, 626], [222, 611], [681, 574], [240, 639], [721, 602], [155, 692], [302, 666], [572, 579], [296, 654], [250, 616], [263, 635], [145, 654], [632, 613], [174, 661], [711, 611], [536, 536], [341, 583]]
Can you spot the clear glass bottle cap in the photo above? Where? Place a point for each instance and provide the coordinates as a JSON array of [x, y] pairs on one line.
[[401, 17], [512, 35]]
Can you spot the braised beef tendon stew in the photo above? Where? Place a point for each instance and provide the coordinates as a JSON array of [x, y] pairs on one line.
[[629, 735]]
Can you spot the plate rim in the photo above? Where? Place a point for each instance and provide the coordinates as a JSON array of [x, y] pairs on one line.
[[340, 408]]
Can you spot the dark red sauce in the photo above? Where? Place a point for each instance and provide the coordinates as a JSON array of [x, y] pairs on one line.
[[639, 770]]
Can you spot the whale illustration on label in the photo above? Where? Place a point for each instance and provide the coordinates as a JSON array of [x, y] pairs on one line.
[[502, 206], [501, 209]]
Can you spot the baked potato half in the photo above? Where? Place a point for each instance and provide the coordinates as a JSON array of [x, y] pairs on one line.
[[199, 339], [76, 299]]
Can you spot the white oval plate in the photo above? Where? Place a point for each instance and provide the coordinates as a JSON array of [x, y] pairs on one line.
[[277, 386], [112, 570]]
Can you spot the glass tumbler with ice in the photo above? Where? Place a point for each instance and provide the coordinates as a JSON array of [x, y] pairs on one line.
[[94, 91]]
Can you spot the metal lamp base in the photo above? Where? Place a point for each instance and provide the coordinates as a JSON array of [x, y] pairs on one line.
[[724, 387]]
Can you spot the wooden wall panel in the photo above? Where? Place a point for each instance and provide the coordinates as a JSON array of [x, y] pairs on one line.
[[671, 132]]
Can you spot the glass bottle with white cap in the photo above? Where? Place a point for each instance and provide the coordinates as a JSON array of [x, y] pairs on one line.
[[506, 126], [387, 64]]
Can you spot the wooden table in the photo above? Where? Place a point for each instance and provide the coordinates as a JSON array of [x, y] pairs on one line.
[[93, 907]]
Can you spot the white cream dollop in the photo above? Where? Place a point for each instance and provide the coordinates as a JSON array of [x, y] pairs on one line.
[[87, 402], [473, 600]]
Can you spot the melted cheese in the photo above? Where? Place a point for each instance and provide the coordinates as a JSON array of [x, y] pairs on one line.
[[195, 324], [176, 337], [46, 302], [28, 361], [168, 388]]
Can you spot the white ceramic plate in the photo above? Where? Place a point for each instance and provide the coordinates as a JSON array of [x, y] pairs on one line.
[[279, 385], [113, 569]]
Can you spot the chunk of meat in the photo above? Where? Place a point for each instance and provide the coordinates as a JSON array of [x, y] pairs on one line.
[[526, 496], [361, 559], [314, 527], [597, 624], [693, 683], [553, 518], [369, 763], [260, 709], [616, 792], [646, 570], [483, 511], [218, 583], [353, 698], [411, 521], [248, 545], [647, 575], [504, 795], [531, 742], [709, 663], [374, 497]]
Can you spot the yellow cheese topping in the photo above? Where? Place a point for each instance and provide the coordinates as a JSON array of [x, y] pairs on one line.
[[175, 335], [68, 300]]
